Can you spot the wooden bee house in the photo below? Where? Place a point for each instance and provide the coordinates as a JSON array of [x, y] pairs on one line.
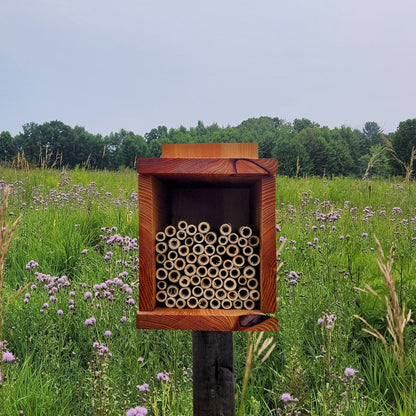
[[192, 200]]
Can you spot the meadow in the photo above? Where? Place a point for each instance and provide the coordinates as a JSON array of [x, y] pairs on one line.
[[68, 341]]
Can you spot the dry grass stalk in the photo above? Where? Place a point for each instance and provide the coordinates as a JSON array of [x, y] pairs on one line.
[[371, 162], [407, 167], [20, 162], [6, 235], [397, 317]]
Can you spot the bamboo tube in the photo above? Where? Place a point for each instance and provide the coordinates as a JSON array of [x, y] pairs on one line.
[[230, 284], [181, 235], [202, 271], [160, 236], [170, 231], [233, 238], [189, 241], [191, 229], [197, 291], [252, 283], [238, 261], [161, 274], [169, 264], [172, 255], [213, 271], [198, 249], [249, 304], [161, 285], [190, 269], [209, 250], [191, 258], [174, 276], [227, 264], [220, 294], [182, 225], [234, 272], [245, 231], [254, 295], [254, 241], [232, 250], [180, 303], [220, 250], [225, 229], [161, 247], [215, 260], [192, 302], [242, 242], [249, 272], [247, 251], [183, 251], [170, 302], [223, 240], [206, 283], [203, 303], [243, 293], [226, 304], [161, 296], [242, 281], [223, 273], [195, 280], [160, 258], [209, 294], [210, 238], [215, 303], [238, 304], [217, 283], [174, 243], [184, 281], [254, 259], [185, 293], [180, 263], [199, 238], [203, 259], [232, 295], [172, 291], [203, 227]]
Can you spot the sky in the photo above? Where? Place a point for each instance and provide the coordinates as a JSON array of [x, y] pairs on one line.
[[137, 64]]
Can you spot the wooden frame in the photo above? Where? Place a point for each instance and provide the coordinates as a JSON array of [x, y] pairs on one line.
[[239, 190]]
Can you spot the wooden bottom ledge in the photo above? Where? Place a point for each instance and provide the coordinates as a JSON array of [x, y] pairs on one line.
[[206, 320]]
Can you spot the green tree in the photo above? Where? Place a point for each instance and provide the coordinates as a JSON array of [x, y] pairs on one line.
[[303, 123], [403, 141], [8, 147]]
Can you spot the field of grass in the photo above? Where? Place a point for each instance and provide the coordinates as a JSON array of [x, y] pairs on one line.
[[70, 288]]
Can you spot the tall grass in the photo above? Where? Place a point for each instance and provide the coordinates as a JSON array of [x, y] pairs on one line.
[[75, 252]]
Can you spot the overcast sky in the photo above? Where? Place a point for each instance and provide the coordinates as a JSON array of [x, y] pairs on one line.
[[136, 64]]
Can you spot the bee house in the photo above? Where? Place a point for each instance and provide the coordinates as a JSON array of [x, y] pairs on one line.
[[207, 237]]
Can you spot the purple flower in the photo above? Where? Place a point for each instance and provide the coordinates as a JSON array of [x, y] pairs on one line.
[[87, 295], [364, 235], [8, 357], [137, 411], [85, 251], [143, 387], [320, 321], [60, 312], [349, 372], [123, 319], [286, 397], [162, 376], [45, 305], [140, 359], [90, 321], [107, 333]]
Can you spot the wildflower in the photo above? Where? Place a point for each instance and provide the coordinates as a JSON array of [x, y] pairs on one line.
[[45, 305], [140, 359], [123, 319], [137, 411], [364, 235], [90, 321], [320, 321], [85, 251], [60, 312], [286, 397], [8, 357], [87, 295], [143, 387], [349, 372], [162, 376], [107, 333]]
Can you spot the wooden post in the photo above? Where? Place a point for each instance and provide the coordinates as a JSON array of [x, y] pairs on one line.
[[213, 372]]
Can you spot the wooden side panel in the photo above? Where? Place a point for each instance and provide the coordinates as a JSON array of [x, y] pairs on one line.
[[229, 167], [147, 262], [268, 301], [206, 320], [211, 150]]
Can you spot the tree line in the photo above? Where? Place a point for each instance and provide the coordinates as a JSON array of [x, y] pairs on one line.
[[302, 147]]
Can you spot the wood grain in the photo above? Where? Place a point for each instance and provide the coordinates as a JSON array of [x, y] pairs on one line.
[[210, 150], [206, 320]]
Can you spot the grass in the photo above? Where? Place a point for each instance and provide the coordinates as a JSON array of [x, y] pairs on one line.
[[77, 236]]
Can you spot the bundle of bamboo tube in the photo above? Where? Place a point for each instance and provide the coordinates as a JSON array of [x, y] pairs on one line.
[[198, 267]]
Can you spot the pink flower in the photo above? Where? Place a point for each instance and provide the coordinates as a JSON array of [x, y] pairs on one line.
[[349, 372], [286, 397], [107, 333], [8, 357]]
